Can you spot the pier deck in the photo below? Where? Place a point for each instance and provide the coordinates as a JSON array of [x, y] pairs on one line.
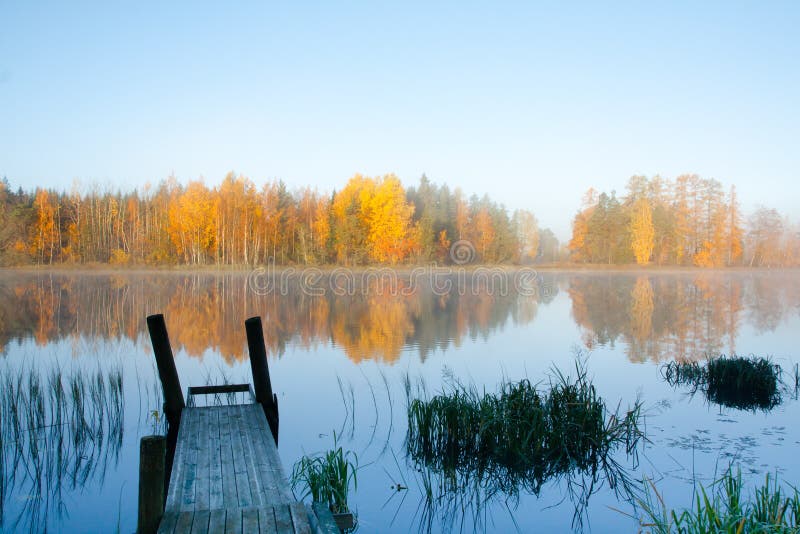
[[227, 477]]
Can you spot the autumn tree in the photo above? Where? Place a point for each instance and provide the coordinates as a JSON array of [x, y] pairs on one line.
[[527, 230], [642, 232], [388, 218], [44, 238], [192, 223]]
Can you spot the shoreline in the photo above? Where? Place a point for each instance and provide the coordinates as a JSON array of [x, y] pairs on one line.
[[106, 269]]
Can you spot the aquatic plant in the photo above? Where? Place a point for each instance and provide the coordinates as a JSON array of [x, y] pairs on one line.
[[487, 445], [720, 507], [327, 478], [59, 430], [744, 383]]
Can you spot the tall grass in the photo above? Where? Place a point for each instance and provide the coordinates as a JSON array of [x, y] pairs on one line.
[[722, 507], [488, 445], [744, 383], [59, 430], [327, 478]]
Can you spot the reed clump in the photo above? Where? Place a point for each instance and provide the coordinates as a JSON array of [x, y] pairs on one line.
[[744, 383], [490, 444], [723, 507], [327, 478]]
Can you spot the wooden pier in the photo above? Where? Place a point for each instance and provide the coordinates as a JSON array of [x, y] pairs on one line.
[[226, 475]]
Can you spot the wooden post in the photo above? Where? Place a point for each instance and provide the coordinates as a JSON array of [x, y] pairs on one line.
[[171, 385], [261, 381], [152, 454]]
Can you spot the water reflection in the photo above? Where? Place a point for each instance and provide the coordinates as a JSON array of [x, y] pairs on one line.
[[206, 312], [655, 316], [736, 382], [471, 448], [660, 317], [59, 433]]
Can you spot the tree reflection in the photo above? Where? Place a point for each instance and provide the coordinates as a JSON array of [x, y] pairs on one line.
[[205, 312], [681, 316], [654, 316]]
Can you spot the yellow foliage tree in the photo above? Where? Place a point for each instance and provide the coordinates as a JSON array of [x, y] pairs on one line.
[[192, 223], [642, 231], [44, 239], [389, 221]]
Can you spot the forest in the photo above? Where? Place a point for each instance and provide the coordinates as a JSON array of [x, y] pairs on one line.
[[690, 221], [369, 221]]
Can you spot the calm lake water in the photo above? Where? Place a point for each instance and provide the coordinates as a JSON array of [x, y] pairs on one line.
[[340, 348]]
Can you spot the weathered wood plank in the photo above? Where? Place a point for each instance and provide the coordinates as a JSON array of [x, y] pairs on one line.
[[184, 524], [274, 487], [215, 462], [312, 520], [216, 521], [240, 461], [229, 496], [266, 520], [233, 521], [189, 420], [168, 522], [178, 468], [203, 475], [200, 522], [283, 518], [300, 519], [228, 477], [225, 388], [250, 520], [325, 517], [253, 481]]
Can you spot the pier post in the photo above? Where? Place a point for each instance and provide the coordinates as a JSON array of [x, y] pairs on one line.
[[152, 456], [261, 381], [171, 385]]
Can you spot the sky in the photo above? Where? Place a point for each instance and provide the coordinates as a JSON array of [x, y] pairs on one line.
[[532, 103]]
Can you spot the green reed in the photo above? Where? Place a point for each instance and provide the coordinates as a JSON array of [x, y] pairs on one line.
[[59, 430], [744, 383], [721, 507], [327, 478], [520, 438]]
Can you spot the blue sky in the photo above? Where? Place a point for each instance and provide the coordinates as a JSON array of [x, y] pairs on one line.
[[531, 102]]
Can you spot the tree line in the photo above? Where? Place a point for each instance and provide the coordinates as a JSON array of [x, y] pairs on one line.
[[688, 221], [369, 221]]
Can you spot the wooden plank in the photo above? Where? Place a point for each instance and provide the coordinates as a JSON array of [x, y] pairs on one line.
[[227, 467], [266, 520], [181, 463], [273, 483], [203, 475], [190, 418], [300, 519], [168, 522], [248, 462], [325, 518], [233, 521], [228, 477], [184, 524], [178, 466], [216, 521], [250, 520], [283, 518], [312, 520], [226, 388], [200, 522], [273, 461], [215, 462]]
